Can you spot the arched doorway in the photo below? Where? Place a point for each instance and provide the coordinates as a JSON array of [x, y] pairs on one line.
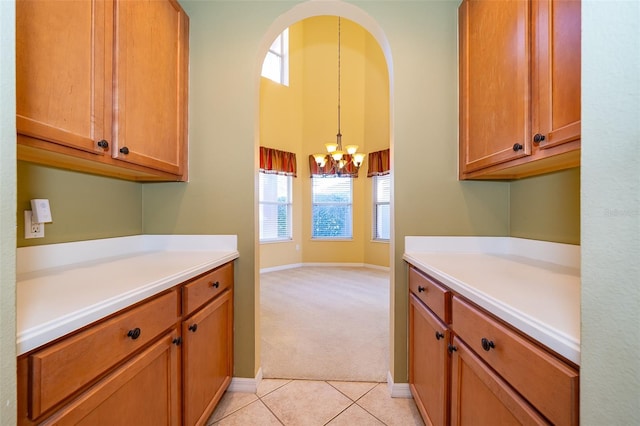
[[316, 9]]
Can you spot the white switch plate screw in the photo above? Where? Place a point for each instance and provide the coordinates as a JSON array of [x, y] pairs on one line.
[[32, 229]]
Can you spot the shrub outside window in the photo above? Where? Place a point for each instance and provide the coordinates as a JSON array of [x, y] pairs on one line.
[[332, 206]]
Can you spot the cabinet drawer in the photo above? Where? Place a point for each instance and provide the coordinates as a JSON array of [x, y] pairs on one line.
[[544, 380], [65, 367], [206, 287], [436, 297]]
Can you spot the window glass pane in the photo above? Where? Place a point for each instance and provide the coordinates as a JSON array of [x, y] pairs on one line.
[[275, 207], [271, 67], [276, 46], [381, 207], [332, 207]]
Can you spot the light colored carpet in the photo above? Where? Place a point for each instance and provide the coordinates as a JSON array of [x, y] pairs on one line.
[[325, 323]]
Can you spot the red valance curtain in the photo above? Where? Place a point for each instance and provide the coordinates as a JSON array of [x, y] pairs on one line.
[[328, 170], [379, 163], [278, 162]]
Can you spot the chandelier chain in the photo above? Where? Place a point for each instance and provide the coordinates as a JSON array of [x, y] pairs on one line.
[[339, 132]]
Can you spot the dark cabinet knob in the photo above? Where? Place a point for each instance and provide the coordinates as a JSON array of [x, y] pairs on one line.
[[124, 150], [215, 284], [134, 333], [421, 289], [103, 144], [193, 327], [487, 344], [177, 341], [517, 147], [451, 348], [439, 335], [537, 138]]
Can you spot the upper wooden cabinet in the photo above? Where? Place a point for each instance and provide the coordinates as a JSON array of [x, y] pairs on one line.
[[102, 87], [519, 88]]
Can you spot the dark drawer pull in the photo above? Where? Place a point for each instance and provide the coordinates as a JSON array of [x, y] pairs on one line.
[[103, 144], [134, 334], [193, 327], [487, 344], [451, 348], [421, 289], [124, 150], [439, 335], [215, 284], [517, 147], [177, 341]]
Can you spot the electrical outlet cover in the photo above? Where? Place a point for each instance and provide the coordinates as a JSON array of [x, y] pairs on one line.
[[32, 229]]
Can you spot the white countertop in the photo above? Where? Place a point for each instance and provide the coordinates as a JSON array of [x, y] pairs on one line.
[[532, 285], [63, 287]]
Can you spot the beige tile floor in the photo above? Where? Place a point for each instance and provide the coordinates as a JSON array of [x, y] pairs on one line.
[[312, 402]]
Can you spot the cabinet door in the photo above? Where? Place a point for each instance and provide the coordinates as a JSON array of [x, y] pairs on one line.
[[208, 358], [480, 397], [142, 392], [428, 363], [494, 83], [151, 65], [556, 71], [63, 72]]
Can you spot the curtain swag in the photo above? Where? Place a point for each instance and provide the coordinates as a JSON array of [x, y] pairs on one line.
[[274, 161], [379, 163], [349, 170]]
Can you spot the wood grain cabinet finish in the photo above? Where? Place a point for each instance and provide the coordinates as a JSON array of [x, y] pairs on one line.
[[519, 87], [484, 370], [150, 364], [428, 363], [436, 297], [208, 354], [101, 87]]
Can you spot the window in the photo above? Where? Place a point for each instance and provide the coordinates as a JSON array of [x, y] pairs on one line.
[[381, 207], [276, 64], [275, 207], [332, 207]]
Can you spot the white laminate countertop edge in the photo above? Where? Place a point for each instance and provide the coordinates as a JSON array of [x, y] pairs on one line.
[[539, 297], [56, 296]]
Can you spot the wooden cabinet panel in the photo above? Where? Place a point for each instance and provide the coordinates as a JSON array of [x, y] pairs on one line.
[[436, 297], [480, 397], [113, 80], [64, 368], [428, 363], [556, 75], [55, 101], [494, 82], [142, 392], [208, 355], [549, 384], [151, 84], [202, 289], [519, 87]]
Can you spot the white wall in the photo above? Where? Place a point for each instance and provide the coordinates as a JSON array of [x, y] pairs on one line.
[[7, 214], [610, 373]]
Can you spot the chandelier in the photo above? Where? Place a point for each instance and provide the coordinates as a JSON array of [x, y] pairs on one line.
[[336, 156]]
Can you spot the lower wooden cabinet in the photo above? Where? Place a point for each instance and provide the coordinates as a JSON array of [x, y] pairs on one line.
[[428, 363], [480, 397], [207, 353], [468, 368], [144, 391], [156, 363]]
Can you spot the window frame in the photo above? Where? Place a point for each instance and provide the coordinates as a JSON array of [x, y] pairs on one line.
[[375, 236], [282, 57], [288, 206], [320, 178]]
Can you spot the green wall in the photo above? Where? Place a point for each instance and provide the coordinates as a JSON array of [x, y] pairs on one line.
[[83, 207], [547, 207]]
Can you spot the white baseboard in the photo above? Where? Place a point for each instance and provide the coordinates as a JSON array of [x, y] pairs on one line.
[[299, 265], [245, 385], [398, 390]]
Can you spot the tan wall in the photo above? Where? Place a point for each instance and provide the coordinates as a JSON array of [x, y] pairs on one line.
[[547, 207], [83, 207]]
